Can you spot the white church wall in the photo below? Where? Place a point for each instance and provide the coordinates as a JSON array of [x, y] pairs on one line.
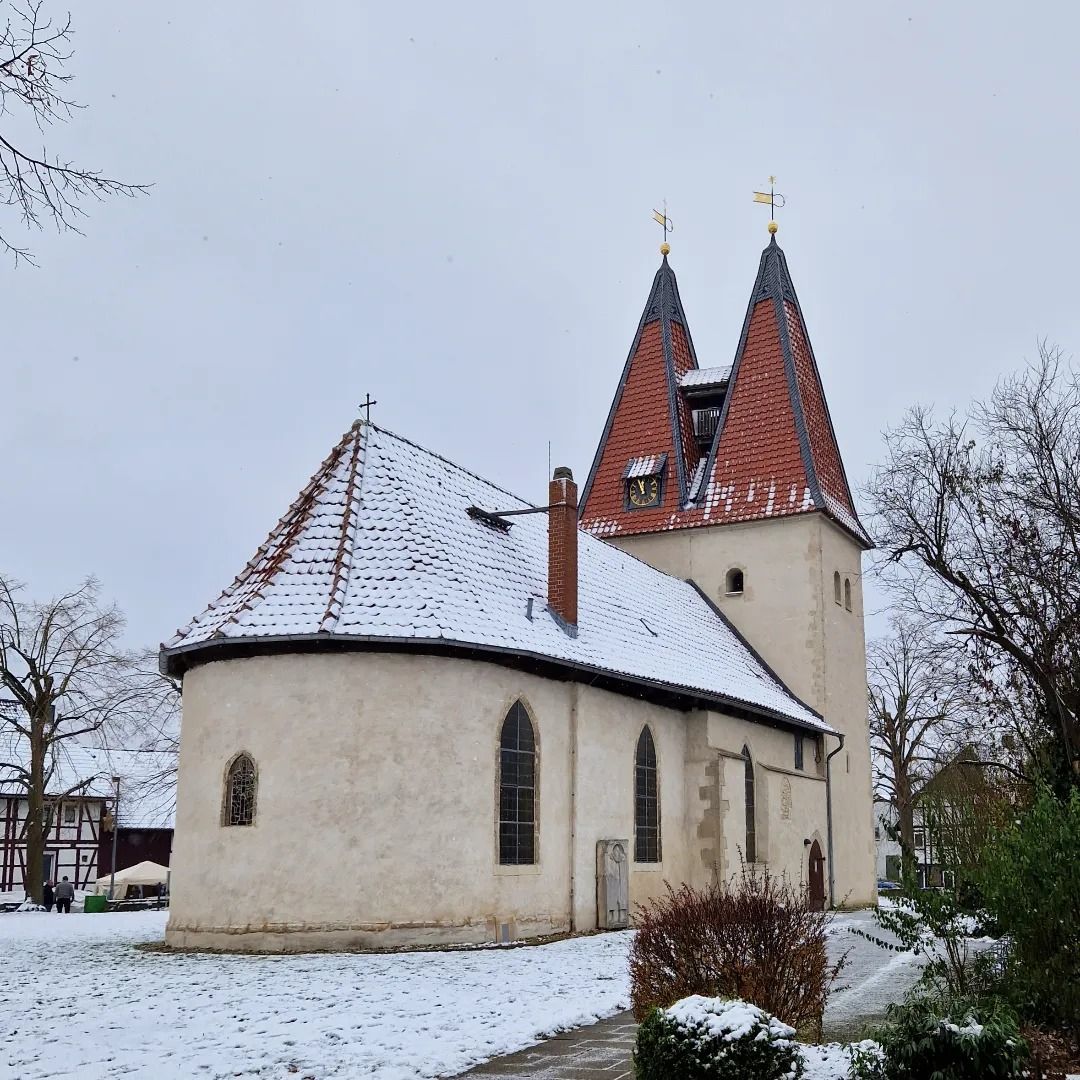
[[787, 613], [846, 709], [376, 805], [790, 803], [609, 726], [376, 809]]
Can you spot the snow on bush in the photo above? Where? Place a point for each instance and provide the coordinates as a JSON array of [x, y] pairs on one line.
[[837, 1061], [757, 938], [918, 1042], [702, 1038]]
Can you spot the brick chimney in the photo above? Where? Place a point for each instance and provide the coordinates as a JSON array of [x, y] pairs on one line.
[[562, 546]]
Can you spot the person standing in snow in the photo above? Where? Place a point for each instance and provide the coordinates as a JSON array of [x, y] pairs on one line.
[[47, 896], [65, 893]]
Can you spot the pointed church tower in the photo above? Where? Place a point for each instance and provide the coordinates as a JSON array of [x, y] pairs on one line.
[[732, 477], [647, 463]]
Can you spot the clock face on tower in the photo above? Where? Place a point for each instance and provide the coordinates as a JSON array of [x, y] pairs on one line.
[[643, 491]]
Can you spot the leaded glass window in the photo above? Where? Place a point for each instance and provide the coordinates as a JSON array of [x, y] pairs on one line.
[[517, 789], [750, 854], [240, 792], [646, 801]]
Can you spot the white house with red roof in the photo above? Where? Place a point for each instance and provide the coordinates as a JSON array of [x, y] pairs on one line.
[[430, 711]]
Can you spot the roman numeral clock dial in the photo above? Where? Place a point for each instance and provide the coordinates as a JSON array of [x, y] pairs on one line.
[[643, 491]]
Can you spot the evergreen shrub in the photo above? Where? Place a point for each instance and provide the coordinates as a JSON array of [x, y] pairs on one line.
[[918, 1043], [1031, 884], [701, 1038]]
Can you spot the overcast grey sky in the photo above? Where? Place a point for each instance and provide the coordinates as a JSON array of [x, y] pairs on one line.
[[448, 206]]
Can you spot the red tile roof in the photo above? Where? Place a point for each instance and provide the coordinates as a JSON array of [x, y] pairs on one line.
[[774, 452]]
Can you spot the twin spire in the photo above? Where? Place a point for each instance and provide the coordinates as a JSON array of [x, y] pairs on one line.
[[744, 443]]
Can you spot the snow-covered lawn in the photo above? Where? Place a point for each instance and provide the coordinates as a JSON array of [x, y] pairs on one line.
[[78, 1000]]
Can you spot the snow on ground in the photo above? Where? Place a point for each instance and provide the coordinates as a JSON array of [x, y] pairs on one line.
[[78, 1000], [872, 977], [830, 1062]]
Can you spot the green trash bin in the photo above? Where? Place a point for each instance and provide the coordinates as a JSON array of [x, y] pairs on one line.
[[95, 903]]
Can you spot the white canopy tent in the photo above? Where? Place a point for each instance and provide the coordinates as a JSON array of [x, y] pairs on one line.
[[144, 873]]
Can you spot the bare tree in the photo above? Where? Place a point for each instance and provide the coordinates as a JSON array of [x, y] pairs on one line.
[[917, 715], [980, 521], [63, 665], [34, 91]]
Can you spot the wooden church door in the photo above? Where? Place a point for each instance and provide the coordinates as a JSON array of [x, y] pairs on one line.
[[817, 877]]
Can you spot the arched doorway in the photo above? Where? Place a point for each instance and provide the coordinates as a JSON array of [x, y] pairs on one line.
[[817, 877]]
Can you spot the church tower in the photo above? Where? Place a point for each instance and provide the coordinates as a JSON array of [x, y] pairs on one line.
[[732, 477]]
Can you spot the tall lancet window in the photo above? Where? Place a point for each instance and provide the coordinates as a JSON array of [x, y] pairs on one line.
[[750, 852], [646, 801], [239, 806], [517, 789]]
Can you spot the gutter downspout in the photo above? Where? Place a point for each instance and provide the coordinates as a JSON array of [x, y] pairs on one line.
[[828, 819], [573, 802]]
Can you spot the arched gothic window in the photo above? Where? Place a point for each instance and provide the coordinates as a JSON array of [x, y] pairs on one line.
[[240, 792], [646, 801], [836, 586], [750, 854], [847, 593], [517, 789], [734, 582]]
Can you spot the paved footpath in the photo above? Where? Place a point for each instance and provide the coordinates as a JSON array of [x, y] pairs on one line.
[[598, 1052]]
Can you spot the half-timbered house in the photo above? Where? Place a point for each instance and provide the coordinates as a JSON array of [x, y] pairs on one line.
[[76, 798], [80, 802]]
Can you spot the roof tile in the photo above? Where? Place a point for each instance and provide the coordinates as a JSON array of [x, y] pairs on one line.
[[457, 580]]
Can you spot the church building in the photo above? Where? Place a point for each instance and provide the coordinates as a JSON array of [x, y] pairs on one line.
[[429, 711]]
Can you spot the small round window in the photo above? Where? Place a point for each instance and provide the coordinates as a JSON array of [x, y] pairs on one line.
[[734, 584]]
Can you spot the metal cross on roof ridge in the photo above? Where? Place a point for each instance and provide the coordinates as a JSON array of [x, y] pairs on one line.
[[365, 406]]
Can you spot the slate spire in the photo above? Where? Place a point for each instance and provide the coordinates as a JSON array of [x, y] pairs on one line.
[[649, 416], [774, 451]]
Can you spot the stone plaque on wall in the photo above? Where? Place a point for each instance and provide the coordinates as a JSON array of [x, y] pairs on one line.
[[613, 884], [785, 799]]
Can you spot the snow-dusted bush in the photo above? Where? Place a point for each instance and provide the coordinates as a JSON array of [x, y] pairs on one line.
[[919, 1042], [701, 1038], [1031, 881], [757, 939]]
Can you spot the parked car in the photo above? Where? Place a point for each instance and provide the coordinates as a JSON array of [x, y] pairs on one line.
[[888, 886]]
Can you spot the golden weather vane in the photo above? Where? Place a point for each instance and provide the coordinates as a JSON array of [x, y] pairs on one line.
[[661, 219], [773, 199]]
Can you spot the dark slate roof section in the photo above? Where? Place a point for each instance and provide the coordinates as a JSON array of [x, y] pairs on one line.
[[790, 295], [782, 289]]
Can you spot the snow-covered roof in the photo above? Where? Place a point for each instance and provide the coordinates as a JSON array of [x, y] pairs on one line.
[[147, 787], [147, 779], [74, 767], [651, 465], [706, 376], [380, 547]]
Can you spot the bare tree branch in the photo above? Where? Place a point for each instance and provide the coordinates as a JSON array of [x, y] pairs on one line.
[[979, 520], [34, 78]]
